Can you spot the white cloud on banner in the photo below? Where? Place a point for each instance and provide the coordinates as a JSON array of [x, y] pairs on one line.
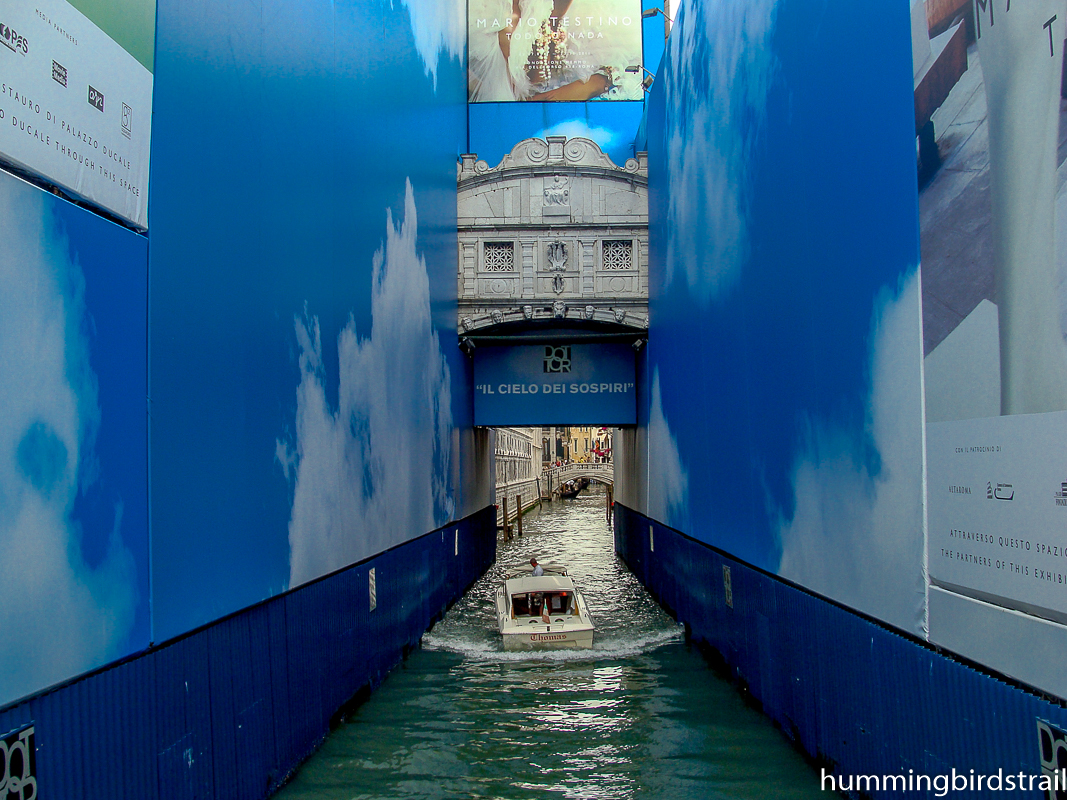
[[58, 616], [721, 69], [572, 128], [373, 472], [668, 486], [440, 30], [856, 537]]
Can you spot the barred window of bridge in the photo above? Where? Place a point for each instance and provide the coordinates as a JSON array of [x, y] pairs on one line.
[[499, 257], [618, 254]]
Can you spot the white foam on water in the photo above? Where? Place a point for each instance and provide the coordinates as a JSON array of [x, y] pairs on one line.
[[492, 649]]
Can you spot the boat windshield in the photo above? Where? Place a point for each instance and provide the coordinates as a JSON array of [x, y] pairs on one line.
[[534, 604]]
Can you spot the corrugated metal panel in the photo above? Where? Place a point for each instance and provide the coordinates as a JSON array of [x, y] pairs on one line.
[[182, 694], [228, 711], [282, 713], [862, 696]]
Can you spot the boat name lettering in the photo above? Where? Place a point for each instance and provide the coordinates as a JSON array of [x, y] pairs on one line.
[[547, 637]]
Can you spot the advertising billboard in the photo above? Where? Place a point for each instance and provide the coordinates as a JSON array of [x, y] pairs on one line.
[[567, 50], [546, 384], [995, 317], [998, 512], [76, 106]]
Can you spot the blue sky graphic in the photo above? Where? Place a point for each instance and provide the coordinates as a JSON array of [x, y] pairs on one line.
[[341, 107], [73, 441], [783, 205]]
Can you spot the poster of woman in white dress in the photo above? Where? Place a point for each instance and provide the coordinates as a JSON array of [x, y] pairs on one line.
[[554, 50]]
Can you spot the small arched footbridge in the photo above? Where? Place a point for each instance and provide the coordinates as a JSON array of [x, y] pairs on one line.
[[605, 473]]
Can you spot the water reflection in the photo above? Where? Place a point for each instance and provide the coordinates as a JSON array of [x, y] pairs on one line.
[[637, 716]]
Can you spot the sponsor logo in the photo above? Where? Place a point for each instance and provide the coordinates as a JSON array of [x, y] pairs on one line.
[[18, 770], [1061, 495], [96, 99], [999, 491], [13, 40], [59, 73], [127, 120], [557, 359], [1052, 743], [959, 489]]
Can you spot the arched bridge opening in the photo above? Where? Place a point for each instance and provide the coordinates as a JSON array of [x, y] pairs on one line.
[[553, 392]]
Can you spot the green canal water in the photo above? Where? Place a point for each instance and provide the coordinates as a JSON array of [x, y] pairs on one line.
[[639, 716]]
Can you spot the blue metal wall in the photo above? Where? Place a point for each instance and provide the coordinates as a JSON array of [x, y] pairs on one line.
[[848, 690], [230, 709]]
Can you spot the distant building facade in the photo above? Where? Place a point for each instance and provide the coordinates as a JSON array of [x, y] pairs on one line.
[[518, 464]]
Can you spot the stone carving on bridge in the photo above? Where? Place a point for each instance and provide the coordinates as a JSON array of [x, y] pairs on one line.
[[468, 323], [553, 150], [498, 316], [527, 312], [557, 262], [528, 151], [559, 309], [620, 314], [558, 193], [557, 256], [589, 311]]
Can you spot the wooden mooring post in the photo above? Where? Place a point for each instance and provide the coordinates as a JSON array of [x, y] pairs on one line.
[[518, 512], [507, 528], [610, 501]]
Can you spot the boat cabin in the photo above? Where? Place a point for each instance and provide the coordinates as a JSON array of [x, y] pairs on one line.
[[534, 604], [534, 596]]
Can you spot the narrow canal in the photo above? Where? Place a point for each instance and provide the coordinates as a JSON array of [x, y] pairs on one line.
[[638, 716]]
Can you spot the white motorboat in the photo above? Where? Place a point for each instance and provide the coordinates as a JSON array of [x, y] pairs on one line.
[[542, 610]]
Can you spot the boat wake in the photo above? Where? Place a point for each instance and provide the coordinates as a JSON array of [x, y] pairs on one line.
[[491, 649]]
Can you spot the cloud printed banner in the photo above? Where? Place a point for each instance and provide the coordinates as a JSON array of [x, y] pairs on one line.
[[783, 207], [308, 394], [73, 492], [375, 469]]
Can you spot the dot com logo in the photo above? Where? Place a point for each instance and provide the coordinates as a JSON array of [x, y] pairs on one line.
[[557, 359], [18, 766]]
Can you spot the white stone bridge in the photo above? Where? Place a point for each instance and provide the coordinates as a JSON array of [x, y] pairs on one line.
[[552, 478], [554, 233]]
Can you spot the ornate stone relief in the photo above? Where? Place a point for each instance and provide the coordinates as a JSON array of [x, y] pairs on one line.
[[558, 192], [559, 309], [557, 256], [527, 312], [557, 262]]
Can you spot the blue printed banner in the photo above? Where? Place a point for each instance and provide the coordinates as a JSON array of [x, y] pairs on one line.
[[554, 384]]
